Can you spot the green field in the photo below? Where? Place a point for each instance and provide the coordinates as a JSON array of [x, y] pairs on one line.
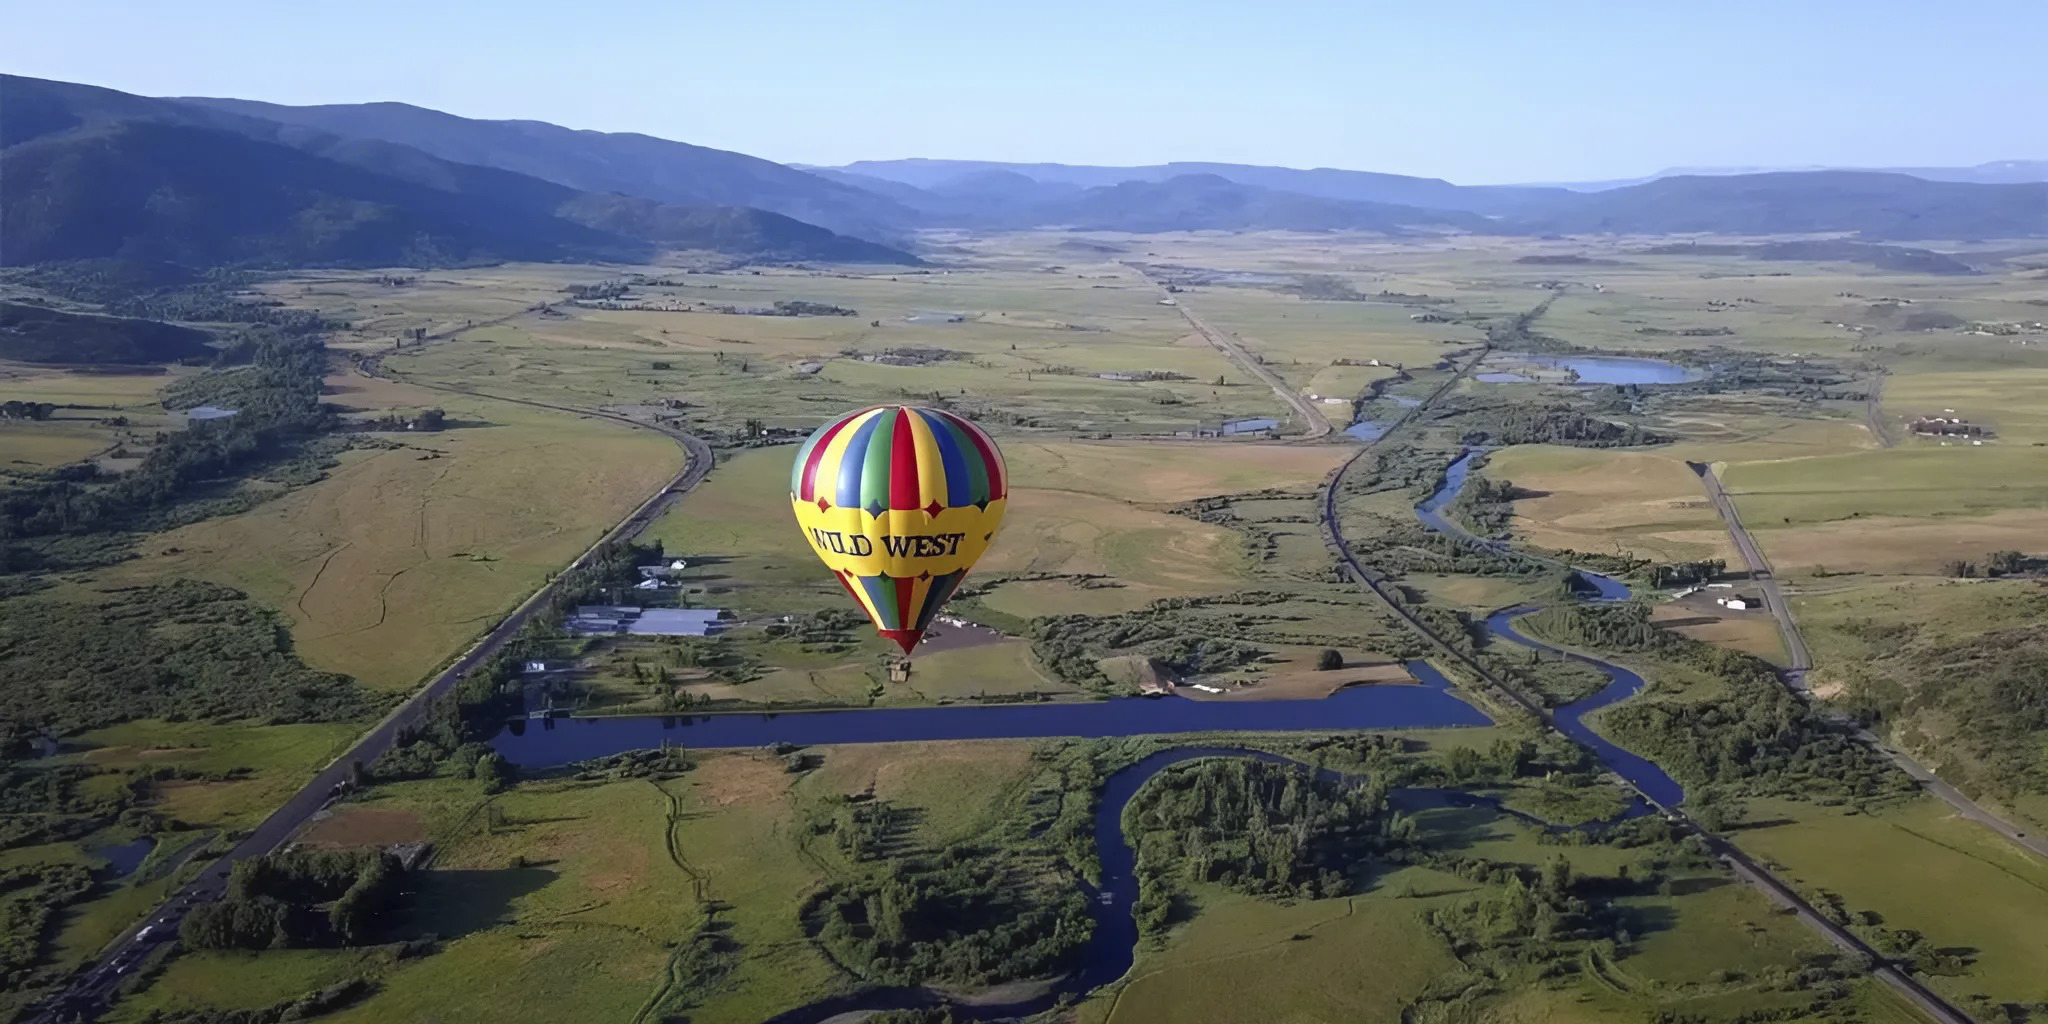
[[1918, 867], [401, 556], [566, 900]]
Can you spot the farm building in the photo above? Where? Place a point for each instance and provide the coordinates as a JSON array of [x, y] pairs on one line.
[[599, 620], [1946, 426]]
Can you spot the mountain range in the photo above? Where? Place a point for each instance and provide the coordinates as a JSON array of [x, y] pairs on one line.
[[1875, 204], [90, 173], [1996, 172]]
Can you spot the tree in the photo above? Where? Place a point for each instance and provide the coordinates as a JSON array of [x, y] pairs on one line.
[[1330, 659], [430, 419]]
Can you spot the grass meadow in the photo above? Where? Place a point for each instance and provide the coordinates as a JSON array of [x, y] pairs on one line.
[[566, 900]]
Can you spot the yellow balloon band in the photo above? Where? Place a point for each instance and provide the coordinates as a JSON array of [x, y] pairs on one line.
[[899, 543]]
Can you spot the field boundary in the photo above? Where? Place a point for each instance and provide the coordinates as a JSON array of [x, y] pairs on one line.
[[1800, 662], [1314, 425]]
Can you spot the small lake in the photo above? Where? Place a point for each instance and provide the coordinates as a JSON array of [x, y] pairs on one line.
[[1366, 430], [124, 858], [1249, 426], [1600, 369], [552, 742], [1111, 948]]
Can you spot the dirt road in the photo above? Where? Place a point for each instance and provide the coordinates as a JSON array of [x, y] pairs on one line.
[[1314, 424]]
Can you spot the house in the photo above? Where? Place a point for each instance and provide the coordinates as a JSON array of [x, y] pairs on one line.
[[648, 584], [533, 667], [662, 572], [1735, 604]]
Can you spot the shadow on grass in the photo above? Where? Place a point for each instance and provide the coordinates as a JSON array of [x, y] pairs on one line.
[[452, 904]]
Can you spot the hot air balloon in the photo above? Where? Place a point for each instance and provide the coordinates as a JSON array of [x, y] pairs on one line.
[[899, 502]]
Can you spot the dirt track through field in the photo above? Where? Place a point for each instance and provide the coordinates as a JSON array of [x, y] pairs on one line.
[[1313, 424]]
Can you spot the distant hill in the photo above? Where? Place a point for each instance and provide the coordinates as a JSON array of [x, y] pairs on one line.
[[599, 162], [92, 172], [724, 229], [1207, 202], [147, 191], [1997, 172], [1879, 206], [1322, 182], [38, 334]]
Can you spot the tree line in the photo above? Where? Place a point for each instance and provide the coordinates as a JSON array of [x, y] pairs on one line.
[[299, 899], [965, 915], [1754, 738], [278, 403], [15, 409], [1258, 827]]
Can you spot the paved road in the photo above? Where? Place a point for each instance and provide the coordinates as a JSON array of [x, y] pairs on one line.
[[90, 991], [1314, 424], [1799, 661]]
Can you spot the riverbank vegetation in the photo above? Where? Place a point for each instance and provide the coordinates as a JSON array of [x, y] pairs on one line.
[[1750, 736], [1964, 662]]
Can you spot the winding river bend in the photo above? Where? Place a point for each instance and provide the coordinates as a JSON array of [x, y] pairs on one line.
[[546, 743]]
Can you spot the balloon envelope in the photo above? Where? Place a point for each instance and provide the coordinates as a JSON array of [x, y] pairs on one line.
[[899, 502]]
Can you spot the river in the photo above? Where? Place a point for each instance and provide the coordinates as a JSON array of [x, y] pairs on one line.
[[546, 743]]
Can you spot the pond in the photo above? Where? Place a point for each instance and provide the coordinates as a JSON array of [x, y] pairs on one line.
[[1366, 430], [123, 858], [552, 742], [1599, 369], [1249, 426], [1111, 947]]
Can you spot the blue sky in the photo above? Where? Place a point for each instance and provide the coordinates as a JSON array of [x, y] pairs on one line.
[[1533, 90]]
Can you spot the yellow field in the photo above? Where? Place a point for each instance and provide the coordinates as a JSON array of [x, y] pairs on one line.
[[76, 434], [1075, 507], [1755, 632], [1648, 504], [400, 556]]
